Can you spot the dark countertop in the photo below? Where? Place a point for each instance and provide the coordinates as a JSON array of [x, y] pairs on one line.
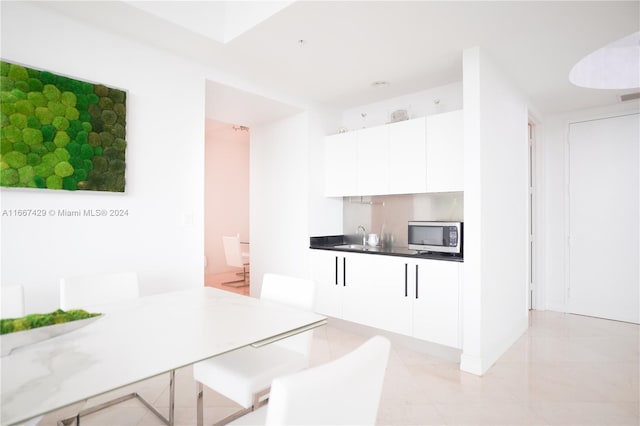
[[333, 242]]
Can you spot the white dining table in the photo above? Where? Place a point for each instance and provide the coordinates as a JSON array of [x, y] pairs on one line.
[[136, 340]]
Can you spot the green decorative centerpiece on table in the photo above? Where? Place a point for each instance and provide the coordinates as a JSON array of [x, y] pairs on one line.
[[33, 328], [11, 325]]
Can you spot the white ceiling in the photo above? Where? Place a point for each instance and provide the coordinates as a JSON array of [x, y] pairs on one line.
[[414, 45], [219, 20]]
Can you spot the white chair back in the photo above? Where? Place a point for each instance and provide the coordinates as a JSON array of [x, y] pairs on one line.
[[82, 292], [11, 301], [345, 391], [232, 251], [295, 292]]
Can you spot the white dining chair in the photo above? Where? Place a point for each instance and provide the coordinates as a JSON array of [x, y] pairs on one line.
[[11, 301], [245, 375], [236, 258], [98, 292], [345, 391], [86, 291]]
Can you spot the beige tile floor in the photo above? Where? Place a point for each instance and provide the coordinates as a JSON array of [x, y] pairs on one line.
[[566, 370]]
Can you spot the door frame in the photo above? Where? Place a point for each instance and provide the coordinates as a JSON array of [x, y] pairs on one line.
[[535, 261], [595, 115], [531, 214]]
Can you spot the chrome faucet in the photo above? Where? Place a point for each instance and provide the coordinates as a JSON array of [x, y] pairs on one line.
[[364, 234]]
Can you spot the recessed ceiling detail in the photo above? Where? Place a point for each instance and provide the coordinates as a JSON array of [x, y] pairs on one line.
[[221, 21]]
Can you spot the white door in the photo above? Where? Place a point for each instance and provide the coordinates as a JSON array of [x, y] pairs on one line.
[[603, 218]]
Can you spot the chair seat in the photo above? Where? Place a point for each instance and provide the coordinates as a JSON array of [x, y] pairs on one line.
[[248, 370]]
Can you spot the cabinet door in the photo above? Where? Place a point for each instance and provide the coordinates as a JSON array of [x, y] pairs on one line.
[[372, 160], [341, 162], [407, 157], [445, 152], [375, 295], [436, 307], [326, 269]]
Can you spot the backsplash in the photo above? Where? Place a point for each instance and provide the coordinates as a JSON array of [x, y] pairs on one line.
[[390, 213]]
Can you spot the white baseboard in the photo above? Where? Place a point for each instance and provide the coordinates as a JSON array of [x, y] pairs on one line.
[[471, 364], [557, 307], [480, 365]]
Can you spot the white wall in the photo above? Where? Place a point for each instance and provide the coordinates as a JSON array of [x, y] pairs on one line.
[[286, 201], [435, 100], [325, 213], [495, 201], [555, 157], [162, 236]]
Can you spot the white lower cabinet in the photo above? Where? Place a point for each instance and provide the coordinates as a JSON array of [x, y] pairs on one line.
[[373, 297], [359, 288], [327, 268], [436, 302], [413, 297]]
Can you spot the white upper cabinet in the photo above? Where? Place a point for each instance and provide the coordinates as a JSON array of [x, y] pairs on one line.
[[373, 165], [408, 157], [341, 162], [445, 152]]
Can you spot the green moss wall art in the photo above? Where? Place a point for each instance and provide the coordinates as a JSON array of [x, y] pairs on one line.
[[60, 133]]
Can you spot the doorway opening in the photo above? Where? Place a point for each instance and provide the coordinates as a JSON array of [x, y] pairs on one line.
[[531, 302], [226, 202]]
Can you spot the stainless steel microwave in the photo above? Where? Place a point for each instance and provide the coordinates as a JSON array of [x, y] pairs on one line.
[[437, 237]]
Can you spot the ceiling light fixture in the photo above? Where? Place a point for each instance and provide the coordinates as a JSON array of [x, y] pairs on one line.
[[380, 83], [614, 66]]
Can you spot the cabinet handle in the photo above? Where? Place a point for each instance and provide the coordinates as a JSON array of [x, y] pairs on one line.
[[344, 272], [336, 270], [416, 281], [406, 292]]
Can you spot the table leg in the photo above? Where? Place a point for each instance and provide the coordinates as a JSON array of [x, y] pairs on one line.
[[200, 415], [172, 397]]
